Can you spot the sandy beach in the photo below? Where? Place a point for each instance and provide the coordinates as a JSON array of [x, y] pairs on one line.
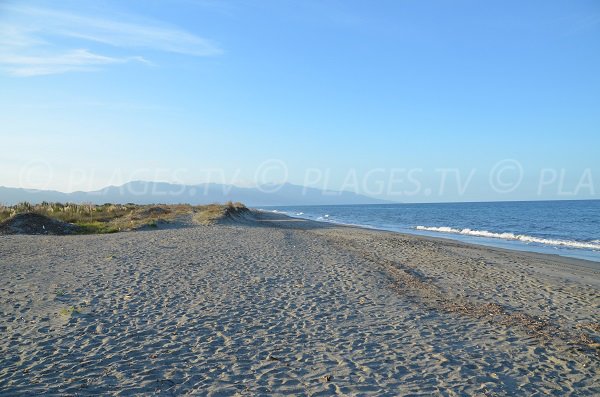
[[274, 305]]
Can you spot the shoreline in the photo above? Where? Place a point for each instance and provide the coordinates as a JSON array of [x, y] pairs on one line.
[[516, 245], [566, 260], [269, 304]]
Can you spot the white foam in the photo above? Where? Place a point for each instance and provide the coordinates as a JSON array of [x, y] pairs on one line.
[[593, 245]]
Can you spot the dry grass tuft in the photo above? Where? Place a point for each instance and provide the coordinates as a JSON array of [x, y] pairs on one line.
[[111, 218], [213, 213]]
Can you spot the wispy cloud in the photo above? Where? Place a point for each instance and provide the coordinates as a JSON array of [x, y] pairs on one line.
[[34, 41], [75, 60]]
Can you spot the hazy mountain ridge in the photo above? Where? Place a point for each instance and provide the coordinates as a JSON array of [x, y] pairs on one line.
[[142, 192]]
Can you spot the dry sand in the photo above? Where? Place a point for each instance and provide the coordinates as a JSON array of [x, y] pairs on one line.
[[281, 306]]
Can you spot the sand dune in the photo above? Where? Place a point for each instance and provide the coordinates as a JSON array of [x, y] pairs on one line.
[[30, 223], [281, 306]]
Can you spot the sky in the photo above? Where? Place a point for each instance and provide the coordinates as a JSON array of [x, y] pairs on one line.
[[414, 101]]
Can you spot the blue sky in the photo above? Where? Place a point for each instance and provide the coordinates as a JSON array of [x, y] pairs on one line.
[[409, 100]]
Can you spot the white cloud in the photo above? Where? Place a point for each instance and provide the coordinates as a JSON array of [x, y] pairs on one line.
[[75, 60], [34, 41]]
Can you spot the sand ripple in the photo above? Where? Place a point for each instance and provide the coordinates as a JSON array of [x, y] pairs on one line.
[[228, 310]]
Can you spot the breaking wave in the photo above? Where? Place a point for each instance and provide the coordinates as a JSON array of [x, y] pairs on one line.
[[593, 245]]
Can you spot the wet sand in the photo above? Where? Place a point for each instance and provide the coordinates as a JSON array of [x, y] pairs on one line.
[[272, 305]]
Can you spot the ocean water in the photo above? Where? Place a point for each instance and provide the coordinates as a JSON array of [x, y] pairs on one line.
[[568, 228]]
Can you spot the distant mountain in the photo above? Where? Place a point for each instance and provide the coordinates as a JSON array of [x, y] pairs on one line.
[[141, 192]]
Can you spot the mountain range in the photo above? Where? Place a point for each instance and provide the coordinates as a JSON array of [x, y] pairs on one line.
[[144, 192]]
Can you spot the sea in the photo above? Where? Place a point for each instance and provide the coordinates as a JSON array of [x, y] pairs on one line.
[[569, 228]]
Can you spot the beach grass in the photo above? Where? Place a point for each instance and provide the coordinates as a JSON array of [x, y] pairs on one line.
[[112, 218], [211, 213]]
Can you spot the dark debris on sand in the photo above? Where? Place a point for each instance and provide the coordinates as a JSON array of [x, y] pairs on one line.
[[32, 223]]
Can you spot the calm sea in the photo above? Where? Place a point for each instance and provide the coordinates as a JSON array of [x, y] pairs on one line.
[[568, 228]]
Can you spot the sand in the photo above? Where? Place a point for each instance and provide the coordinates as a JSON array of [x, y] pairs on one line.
[[274, 306]]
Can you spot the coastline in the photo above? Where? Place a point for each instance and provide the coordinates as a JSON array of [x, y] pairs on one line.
[[270, 304], [552, 269], [552, 257], [480, 226]]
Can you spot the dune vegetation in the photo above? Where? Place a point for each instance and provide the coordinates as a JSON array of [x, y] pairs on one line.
[[110, 218]]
